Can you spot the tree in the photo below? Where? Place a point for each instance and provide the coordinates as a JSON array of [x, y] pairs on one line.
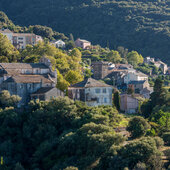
[[62, 84], [158, 96], [6, 100], [130, 90], [138, 126], [114, 56], [134, 58], [73, 77], [76, 55], [116, 100], [123, 52], [7, 50]]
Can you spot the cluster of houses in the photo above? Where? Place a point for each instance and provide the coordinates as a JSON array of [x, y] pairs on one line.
[[38, 80], [159, 64], [21, 40]]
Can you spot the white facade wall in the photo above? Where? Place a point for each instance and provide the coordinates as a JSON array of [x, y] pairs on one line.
[[134, 77], [103, 96]]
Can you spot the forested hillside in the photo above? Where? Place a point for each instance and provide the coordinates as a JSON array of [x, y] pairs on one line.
[[135, 24]]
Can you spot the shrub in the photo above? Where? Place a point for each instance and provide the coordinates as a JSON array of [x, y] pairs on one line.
[[166, 138], [159, 142], [138, 126]]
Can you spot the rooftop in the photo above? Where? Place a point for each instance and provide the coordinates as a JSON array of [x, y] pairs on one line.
[[29, 79], [22, 65], [137, 82], [44, 90], [6, 31], [90, 82], [85, 41]]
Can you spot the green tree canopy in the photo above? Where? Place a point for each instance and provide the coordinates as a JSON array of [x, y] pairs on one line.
[[138, 126], [114, 56]]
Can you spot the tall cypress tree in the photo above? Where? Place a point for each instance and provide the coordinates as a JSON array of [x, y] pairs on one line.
[[117, 100]]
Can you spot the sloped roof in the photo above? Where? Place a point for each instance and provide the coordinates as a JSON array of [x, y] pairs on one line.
[[29, 79], [23, 34], [84, 41], [137, 82], [22, 65], [44, 90], [90, 82], [6, 31]]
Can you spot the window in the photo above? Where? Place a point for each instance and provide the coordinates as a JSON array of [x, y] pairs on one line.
[[98, 100], [20, 38], [104, 90], [105, 100], [97, 90]]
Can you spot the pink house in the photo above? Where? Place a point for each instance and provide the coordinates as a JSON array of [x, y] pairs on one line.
[[84, 44], [128, 103]]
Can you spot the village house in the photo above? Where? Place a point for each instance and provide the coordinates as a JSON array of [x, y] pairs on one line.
[[146, 92], [129, 103], [103, 69], [161, 65], [92, 92], [148, 60], [29, 81], [58, 43], [135, 76], [137, 86], [21, 40], [84, 44]]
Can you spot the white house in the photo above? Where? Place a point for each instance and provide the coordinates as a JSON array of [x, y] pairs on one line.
[[58, 43], [134, 76], [92, 92]]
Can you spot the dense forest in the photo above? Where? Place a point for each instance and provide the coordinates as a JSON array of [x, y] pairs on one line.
[[135, 24]]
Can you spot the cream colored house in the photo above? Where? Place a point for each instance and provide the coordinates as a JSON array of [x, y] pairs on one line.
[[21, 40], [134, 76], [92, 92]]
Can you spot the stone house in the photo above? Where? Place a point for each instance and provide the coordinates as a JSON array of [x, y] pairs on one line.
[[100, 69], [92, 92], [162, 66], [137, 86], [129, 103], [146, 92], [24, 79], [46, 93], [84, 44]]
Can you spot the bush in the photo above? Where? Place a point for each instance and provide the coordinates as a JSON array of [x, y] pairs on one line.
[[166, 138], [159, 142], [138, 126], [140, 166]]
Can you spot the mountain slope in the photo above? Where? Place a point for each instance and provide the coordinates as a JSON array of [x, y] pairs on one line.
[[142, 25]]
